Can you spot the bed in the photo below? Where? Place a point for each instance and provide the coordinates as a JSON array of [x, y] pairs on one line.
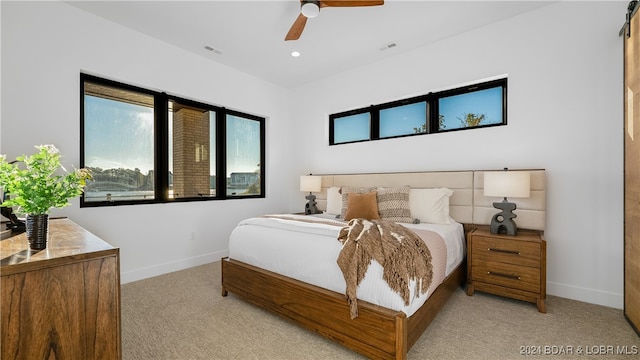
[[309, 292]]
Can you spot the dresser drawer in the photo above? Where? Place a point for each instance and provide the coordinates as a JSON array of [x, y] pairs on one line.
[[508, 275], [507, 251]]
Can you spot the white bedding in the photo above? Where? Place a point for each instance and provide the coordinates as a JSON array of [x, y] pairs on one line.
[[307, 251]]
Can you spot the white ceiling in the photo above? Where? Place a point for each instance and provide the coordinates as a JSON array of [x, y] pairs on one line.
[[250, 34]]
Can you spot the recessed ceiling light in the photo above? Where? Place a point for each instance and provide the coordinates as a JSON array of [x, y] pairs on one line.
[[295, 53]]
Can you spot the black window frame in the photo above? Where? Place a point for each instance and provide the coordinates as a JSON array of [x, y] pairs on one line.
[[404, 102], [161, 145], [432, 123], [372, 131]]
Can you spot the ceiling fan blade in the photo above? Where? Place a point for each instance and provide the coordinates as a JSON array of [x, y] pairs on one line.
[[350, 3], [296, 29]]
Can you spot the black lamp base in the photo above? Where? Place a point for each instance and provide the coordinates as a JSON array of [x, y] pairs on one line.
[[310, 208], [502, 222]]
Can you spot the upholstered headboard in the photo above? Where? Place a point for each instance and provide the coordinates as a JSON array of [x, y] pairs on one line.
[[468, 205]]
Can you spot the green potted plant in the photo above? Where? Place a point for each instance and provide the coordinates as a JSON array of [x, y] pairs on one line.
[[37, 183]]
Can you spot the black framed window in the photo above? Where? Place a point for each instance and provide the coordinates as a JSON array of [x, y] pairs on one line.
[[144, 146], [472, 106], [191, 150], [244, 155], [468, 107], [407, 118], [350, 127]]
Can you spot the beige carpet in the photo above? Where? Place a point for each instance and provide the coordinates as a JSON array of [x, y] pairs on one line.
[[183, 316]]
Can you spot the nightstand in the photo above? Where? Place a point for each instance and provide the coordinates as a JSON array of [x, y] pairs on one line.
[[511, 266]]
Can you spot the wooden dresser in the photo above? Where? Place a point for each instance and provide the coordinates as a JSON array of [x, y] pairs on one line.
[[511, 266], [62, 302]]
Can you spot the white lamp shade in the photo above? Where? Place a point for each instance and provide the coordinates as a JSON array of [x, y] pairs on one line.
[[507, 184], [309, 183], [310, 9]]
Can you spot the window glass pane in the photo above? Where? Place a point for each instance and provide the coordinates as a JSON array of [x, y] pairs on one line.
[[192, 155], [118, 144], [351, 128], [403, 120], [243, 156], [478, 108]]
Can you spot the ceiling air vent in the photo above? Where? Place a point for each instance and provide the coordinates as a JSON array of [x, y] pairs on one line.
[[388, 46], [214, 50]]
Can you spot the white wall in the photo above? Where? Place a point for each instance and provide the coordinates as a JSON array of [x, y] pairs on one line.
[[564, 66], [45, 46]]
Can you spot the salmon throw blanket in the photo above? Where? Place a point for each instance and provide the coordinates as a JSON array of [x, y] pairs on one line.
[[403, 255]]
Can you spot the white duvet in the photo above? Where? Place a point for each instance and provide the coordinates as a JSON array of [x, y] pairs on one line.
[[307, 251]]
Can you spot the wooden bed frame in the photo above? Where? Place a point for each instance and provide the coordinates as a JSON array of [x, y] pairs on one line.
[[377, 332]]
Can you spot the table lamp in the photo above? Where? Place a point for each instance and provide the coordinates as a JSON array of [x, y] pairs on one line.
[[311, 184], [506, 184]]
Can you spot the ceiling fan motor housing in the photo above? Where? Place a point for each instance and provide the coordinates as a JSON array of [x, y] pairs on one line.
[[310, 8]]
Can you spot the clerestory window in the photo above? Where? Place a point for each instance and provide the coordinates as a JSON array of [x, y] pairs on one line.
[[468, 107]]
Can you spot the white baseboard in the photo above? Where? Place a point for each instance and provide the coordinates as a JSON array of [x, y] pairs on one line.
[[160, 269], [591, 296]]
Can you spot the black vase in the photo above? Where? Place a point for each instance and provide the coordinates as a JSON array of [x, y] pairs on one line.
[[37, 230]]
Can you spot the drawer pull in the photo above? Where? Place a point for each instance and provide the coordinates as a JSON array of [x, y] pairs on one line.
[[514, 277], [513, 252]]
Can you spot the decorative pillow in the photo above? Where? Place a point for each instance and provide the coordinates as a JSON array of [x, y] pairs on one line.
[[362, 206], [334, 201], [345, 196], [430, 205], [393, 204]]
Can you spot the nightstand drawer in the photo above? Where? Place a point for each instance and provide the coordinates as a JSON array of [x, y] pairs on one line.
[[509, 251], [507, 275]]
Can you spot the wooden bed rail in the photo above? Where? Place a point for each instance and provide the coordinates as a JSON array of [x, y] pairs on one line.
[[377, 332]]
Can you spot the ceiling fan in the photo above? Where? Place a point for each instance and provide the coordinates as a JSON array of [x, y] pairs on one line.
[[311, 9]]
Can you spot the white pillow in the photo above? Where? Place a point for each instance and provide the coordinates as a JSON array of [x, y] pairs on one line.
[[430, 205], [334, 200]]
